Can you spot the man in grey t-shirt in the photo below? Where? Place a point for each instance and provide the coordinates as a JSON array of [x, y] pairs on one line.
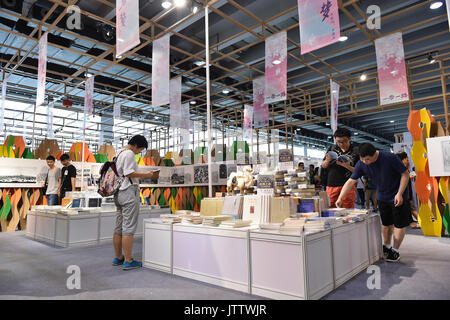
[[127, 201], [52, 181]]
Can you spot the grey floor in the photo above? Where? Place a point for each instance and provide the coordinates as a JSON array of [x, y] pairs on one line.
[[35, 270]]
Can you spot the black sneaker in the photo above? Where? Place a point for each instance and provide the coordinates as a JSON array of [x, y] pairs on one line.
[[385, 251], [393, 256]]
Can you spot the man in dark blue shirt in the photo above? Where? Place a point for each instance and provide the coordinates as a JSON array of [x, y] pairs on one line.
[[391, 178]]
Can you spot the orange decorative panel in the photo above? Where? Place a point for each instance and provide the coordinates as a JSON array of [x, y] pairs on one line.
[[423, 187], [414, 125]]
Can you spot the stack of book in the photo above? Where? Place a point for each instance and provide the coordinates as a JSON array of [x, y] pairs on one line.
[[315, 225], [293, 224], [236, 223], [309, 215], [215, 221], [270, 226], [192, 219], [298, 184], [335, 212], [280, 183], [170, 218]]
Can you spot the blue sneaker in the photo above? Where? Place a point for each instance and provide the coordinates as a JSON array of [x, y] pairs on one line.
[[131, 265], [118, 262]]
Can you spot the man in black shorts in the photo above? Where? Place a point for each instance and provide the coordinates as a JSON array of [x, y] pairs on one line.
[[391, 178]]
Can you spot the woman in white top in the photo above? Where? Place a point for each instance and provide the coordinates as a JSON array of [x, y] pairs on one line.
[[52, 182]]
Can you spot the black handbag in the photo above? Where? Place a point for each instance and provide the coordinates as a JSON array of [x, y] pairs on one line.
[[44, 189]]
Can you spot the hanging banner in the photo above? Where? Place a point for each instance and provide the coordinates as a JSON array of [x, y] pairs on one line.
[[127, 25], [186, 115], [334, 105], [100, 138], [447, 3], [319, 24], [276, 68], [42, 70], [260, 110], [160, 71], [248, 119], [50, 132], [117, 106], [24, 134], [2, 111], [88, 94], [392, 79], [175, 102]]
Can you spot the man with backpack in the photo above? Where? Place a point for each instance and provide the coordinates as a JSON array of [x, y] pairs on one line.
[[127, 201], [338, 166]]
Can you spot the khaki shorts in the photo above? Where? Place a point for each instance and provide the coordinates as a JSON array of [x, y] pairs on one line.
[[371, 195], [127, 203]]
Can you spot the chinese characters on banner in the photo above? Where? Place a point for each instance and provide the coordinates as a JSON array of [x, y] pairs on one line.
[[175, 102], [127, 26], [260, 110], [248, 117], [160, 71], [319, 24], [42, 70], [117, 110], [2, 111], [50, 132], [334, 105], [276, 68], [392, 78]]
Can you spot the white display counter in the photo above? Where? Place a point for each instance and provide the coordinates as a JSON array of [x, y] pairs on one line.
[[263, 262], [81, 229]]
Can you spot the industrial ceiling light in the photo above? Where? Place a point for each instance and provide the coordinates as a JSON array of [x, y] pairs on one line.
[[436, 5], [226, 91], [180, 3], [166, 4], [356, 133], [363, 77], [392, 121], [194, 9], [276, 61], [343, 38], [431, 59], [193, 102]]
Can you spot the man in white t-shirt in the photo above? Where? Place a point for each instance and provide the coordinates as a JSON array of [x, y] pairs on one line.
[[52, 182], [127, 201]]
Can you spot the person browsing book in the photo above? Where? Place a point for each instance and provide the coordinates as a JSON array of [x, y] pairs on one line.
[[337, 167], [68, 175], [127, 201]]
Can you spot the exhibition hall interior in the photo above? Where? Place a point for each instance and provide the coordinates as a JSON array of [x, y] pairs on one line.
[[224, 150]]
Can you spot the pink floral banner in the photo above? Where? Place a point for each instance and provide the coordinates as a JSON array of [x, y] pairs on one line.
[[248, 119], [175, 103], [50, 132], [42, 70], [319, 24], [260, 110], [185, 122], [88, 96], [334, 105], [127, 25], [392, 79], [276, 68], [160, 71]]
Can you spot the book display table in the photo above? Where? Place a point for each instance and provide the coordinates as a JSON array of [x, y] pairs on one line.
[[266, 263], [81, 229]]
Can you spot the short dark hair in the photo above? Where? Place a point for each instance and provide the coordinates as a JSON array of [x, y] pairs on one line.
[[64, 157], [138, 141], [311, 165], [402, 155], [301, 163], [342, 132], [366, 149], [52, 158]]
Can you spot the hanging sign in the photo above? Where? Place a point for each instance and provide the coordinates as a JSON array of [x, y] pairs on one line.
[[260, 110], [319, 24], [248, 117], [160, 71], [392, 79], [42, 70], [117, 110], [185, 122], [175, 102], [127, 25], [50, 132], [276, 68], [88, 96], [265, 184], [285, 159], [2, 111], [334, 105]]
